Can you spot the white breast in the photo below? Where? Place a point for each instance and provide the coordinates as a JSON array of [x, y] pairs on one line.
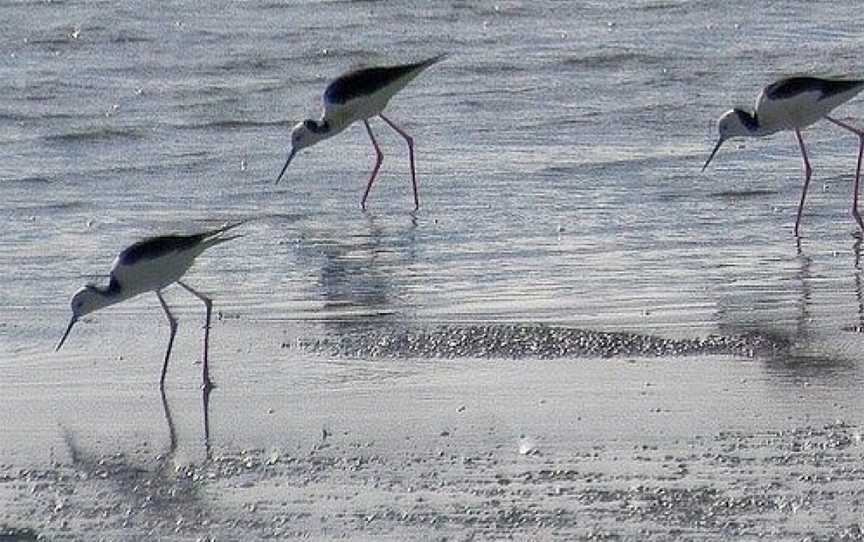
[[153, 274]]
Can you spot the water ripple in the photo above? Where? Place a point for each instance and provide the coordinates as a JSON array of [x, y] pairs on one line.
[[93, 135]]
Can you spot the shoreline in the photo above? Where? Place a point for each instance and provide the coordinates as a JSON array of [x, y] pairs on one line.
[[636, 449]]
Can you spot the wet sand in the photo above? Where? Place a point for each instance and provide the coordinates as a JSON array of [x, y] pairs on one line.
[[700, 447]]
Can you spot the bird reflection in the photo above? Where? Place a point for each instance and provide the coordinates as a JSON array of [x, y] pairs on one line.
[[205, 400], [856, 251], [859, 290], [803, 277], [361, 277], [814, 357], [172, 430], [147, 490], [756, 305]]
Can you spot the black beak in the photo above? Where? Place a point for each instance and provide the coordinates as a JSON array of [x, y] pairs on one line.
[[68, 329], [716, 148], [290, 157]]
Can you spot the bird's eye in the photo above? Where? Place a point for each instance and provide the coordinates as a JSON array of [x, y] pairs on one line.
[[309, 124]]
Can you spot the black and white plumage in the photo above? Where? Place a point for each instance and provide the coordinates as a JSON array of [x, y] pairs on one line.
[[151, 265], [360, 95], [793, 104]]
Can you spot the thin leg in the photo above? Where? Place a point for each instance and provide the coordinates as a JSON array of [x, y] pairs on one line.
[[379, 157], [855, 185], [807, 172], [208, 303], [856, 248], [173, 322], [410, 141], [860, 134], [205, 397], [172, 433]]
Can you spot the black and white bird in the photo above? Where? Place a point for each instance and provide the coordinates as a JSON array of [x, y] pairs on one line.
[[360, 95], [794, 104], [150, 266]]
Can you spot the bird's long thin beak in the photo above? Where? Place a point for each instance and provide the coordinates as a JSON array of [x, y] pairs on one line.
[[716, 148], [290, 157], [68, 329]]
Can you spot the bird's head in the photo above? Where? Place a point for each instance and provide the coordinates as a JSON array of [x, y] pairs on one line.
[[304, 134], [733, 123], [85, 301]]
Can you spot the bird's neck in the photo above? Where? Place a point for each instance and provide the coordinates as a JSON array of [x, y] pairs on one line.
[[319, 130], [326, 127], [111, 294], [754, 128], [332, 125], [321, 127]]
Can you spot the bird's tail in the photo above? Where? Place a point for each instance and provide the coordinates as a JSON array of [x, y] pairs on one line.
[[217, 237], [434, 60], [413, 70]]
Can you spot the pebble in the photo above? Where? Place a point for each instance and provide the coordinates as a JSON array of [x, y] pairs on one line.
[[537, 341]]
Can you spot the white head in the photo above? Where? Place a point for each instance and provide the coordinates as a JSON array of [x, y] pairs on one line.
[[304, 134], [86, 300], [733, 123]]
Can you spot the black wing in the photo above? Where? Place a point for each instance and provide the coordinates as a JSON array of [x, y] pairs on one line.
[[787, 88], [365, 81], [158, 246]]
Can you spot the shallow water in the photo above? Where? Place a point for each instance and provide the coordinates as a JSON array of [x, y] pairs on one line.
[[559, 174], [558, 152]]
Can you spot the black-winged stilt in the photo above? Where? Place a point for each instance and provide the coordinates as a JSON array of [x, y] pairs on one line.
[[150, 266], [360, 95], [793, 104]]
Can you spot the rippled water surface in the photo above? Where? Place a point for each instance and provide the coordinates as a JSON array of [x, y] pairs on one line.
[[558, 149]]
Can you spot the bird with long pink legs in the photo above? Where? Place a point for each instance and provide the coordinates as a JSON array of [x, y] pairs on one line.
[[360, 95], [151, 265], [794, 104]]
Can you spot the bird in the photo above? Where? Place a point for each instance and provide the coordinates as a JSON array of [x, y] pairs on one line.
[[151, 265], [360, 95], [794, 103]]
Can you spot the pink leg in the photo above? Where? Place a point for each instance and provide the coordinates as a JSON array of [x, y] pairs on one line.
[[410, 141], [173, 322], [860, 134], [807, 172], [206, 383], [379, 158]]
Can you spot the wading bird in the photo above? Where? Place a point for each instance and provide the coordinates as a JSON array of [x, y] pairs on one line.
[[150, 266], [794, 104], [360, 95]]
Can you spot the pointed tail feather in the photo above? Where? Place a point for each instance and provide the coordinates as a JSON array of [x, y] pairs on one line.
[[215, 237], [433, 60], [413, 70], [226, 227]]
